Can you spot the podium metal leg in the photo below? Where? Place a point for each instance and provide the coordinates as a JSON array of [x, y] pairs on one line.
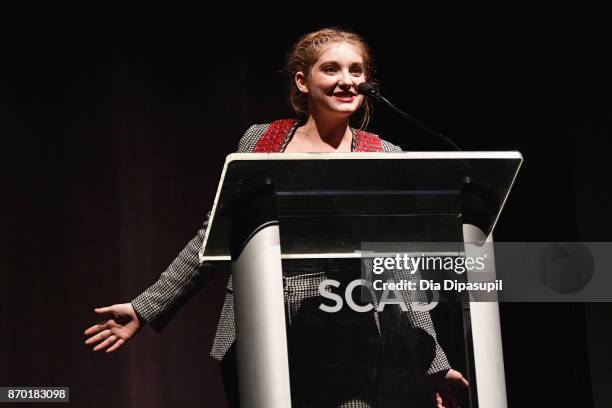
[[486, 337], [262, 357]]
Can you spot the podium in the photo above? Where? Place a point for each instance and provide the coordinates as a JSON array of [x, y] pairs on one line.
[[273, 206]]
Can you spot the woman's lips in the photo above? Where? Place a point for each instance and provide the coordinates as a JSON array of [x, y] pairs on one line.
[[345, 97]]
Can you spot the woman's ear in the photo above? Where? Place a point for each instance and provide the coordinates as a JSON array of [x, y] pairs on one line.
[[300, 82]]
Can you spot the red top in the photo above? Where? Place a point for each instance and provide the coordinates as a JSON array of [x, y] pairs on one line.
[[273, 138]]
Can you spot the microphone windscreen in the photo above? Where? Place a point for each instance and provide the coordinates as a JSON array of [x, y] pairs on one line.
[[366, 88]]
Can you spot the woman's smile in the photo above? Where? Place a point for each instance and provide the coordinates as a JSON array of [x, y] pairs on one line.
[[345, 96]]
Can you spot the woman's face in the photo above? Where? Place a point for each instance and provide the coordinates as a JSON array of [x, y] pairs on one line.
[[331, 84]]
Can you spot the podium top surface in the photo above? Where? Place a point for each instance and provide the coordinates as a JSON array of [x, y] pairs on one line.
[[330, 203]]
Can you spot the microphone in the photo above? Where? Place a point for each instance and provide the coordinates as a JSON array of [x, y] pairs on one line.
[[367, 89]]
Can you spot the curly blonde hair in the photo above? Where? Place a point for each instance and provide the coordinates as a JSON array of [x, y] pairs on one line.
[[305, 53]]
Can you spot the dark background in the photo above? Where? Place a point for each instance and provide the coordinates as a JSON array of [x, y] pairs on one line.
[[115, 124]]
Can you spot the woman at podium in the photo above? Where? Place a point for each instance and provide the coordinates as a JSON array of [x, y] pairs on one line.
[[335, 359]]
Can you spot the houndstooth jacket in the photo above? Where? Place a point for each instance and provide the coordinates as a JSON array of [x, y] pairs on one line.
[[158, 303]]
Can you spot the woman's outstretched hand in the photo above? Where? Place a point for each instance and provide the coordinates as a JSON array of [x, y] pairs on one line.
[[119, 325]]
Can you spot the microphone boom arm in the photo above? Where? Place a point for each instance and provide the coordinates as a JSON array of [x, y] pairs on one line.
[[369, 90]]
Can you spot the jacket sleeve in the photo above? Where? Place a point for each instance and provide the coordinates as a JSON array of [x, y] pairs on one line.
[[160, 301], [422, 319], [175, 286]]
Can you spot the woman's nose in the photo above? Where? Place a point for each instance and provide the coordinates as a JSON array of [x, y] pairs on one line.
[[345, 81]]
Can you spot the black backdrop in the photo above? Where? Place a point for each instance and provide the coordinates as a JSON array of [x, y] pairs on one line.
[[115, 124]]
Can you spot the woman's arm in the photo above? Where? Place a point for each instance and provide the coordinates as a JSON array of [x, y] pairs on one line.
[[156, 305], [160, 301]]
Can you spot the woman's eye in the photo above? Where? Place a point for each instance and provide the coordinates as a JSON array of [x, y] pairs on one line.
[[357, 70], [329, 69]]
